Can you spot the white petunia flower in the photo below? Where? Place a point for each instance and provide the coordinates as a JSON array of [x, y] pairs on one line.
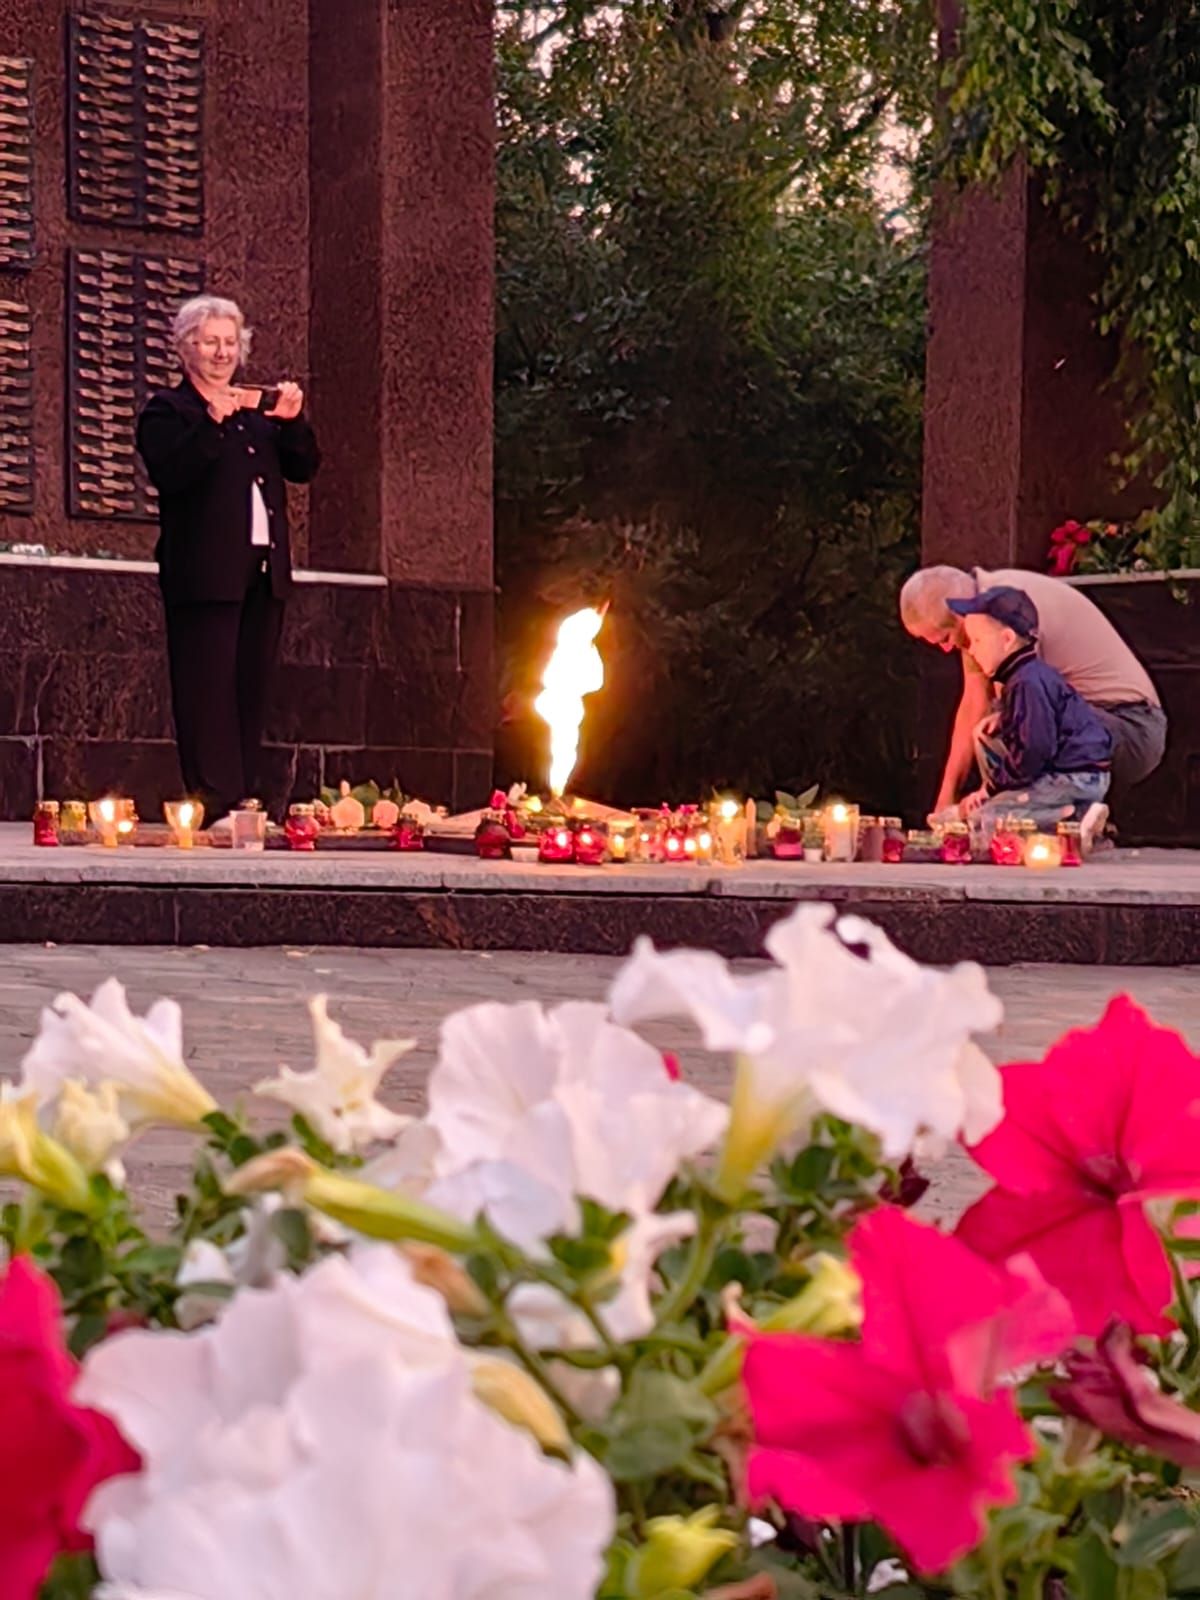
[[324, 1436], [90, 1124], [843, 1023], [104, 1042], [337, 1096]]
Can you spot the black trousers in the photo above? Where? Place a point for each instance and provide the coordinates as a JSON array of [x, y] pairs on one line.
[[222, 657]]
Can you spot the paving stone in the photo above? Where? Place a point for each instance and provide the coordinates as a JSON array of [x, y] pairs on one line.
[[244, 1016]]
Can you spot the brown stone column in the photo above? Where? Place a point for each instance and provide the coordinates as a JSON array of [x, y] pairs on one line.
[[401, 159]]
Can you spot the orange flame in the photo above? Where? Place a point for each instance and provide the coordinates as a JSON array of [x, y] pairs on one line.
[[574, 670]]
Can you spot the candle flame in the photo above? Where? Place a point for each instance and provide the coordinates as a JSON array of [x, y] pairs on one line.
[[108, 810], [186, 812], [839, 813], [729, 810], [575, 669]]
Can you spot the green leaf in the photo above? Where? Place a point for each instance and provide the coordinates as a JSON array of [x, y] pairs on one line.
[[1156, 1538], [655, 1424]]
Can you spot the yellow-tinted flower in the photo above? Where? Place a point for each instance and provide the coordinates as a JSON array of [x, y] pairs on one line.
[[377, 1213], [830, 1303], [440, 1272], [89, 1122], [678, 1553], [29, 1153], [768, 1107], [512, 1394]]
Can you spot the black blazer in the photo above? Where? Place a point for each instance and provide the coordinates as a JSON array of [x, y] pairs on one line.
[[203, 471]]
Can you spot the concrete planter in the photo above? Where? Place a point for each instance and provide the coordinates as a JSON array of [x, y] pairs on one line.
[[1159, 615]]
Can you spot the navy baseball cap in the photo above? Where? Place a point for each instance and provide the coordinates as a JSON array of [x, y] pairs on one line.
[[1011, 607]]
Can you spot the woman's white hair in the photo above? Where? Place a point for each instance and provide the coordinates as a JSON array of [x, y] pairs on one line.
[[194, 313], [923, 598]]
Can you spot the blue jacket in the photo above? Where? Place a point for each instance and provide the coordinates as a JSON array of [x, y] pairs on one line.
[[1045, 725]]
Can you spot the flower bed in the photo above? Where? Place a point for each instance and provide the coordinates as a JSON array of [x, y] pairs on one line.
[[583, 1331]]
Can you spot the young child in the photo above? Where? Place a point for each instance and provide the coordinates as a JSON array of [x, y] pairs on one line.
[[1045, 753]]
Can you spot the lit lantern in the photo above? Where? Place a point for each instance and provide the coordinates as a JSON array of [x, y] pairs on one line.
[[1007, 847], [590, 845], [184, 818], [955, 848], [728, 823], [556, 844], [622, 841], [841, 832], [1043, 852], [893, 840], [491, 838], [104, 815]]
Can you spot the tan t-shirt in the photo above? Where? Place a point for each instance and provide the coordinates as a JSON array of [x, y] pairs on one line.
[[1078, 640]]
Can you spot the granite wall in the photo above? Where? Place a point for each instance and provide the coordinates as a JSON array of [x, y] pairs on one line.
[[84, 705], [337, 181]]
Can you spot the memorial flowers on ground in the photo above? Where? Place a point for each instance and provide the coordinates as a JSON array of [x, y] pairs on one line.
[[580, 1330]]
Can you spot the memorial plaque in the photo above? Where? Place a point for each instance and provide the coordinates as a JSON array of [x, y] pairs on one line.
[[16, 408], [136, 122], [16, 163], [120, 307]]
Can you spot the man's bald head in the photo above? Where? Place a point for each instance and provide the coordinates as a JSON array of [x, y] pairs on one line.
[[923, 608]]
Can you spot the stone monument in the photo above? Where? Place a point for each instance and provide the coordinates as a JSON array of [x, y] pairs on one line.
[[329, 166]]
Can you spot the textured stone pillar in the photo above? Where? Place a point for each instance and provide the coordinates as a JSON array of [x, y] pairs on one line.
[[402, 275]]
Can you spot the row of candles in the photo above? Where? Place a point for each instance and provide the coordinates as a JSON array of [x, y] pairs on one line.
[[728, 833], [113, 821]]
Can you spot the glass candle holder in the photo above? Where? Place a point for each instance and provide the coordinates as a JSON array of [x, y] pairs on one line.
[[104, 817], [870, 840], [302, 828], [956, 844], [1043, 852], [184, 818], [491, 838], [1070, 837], [1007, 847], [841, 832], [622, 841], [893, 840], [45, 824], [72, 817], [591, 845], [408, 834], [249, 826], [556, 844], [127, 821], [728, 824]]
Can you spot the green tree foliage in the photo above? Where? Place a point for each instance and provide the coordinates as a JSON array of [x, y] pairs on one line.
[[709, 363], [1102, 99]]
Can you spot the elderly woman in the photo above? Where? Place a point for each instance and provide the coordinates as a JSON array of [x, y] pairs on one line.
[[1074, 637], [219, 454]]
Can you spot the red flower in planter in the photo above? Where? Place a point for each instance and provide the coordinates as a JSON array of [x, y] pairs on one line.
[[1107, 1121], [1065, 543], [1111, 1389], [53, 1453], [907, 1427]]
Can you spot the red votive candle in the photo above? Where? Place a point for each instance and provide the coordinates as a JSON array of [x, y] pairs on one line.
[[302, 827], [45, 823]]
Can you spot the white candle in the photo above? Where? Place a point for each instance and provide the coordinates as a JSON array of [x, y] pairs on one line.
[[841, 832]]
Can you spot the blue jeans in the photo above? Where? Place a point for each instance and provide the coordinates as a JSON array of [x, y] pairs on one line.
[[1049, 800]]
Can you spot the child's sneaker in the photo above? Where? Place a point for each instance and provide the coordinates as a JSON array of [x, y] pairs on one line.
[[1091, 828]]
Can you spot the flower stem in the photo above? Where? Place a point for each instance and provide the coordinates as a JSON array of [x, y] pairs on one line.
[[676, 1301], [537, 1368]]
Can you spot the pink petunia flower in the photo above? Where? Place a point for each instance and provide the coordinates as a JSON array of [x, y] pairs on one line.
[[1113, 1389], [907, 1427], [1106, 1122]]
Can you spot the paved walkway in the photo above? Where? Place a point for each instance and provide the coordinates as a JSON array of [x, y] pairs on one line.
[[244, 1014]]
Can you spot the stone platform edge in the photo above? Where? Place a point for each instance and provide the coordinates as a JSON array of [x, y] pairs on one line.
[[935, 929]]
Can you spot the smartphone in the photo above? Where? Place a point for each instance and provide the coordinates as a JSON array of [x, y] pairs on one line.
[[268, 398]]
